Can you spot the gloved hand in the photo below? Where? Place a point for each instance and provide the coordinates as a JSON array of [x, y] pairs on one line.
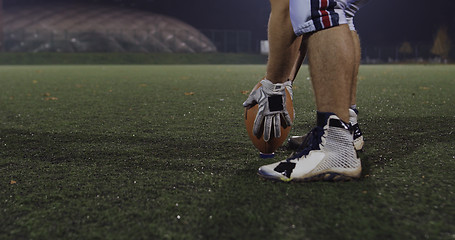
[[271, 100]]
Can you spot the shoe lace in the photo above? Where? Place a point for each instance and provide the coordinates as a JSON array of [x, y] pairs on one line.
[[310, 142]]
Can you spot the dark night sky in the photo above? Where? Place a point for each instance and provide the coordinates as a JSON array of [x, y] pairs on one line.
[[382, 22]]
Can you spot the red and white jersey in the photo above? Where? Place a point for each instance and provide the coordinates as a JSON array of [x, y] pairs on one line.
[[314, 15]]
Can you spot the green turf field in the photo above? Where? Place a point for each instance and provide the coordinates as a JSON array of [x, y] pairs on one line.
[[160, 152]]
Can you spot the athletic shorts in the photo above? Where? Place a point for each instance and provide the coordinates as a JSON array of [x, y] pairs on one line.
[[314, 15]]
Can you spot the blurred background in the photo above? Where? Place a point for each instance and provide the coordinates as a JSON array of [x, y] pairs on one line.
[[390, 30]]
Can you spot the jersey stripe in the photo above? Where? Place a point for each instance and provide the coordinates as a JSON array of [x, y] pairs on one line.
[[323, 14]]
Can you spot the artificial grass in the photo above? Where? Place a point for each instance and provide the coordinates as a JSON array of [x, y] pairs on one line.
[[46, 58], [160, 152]]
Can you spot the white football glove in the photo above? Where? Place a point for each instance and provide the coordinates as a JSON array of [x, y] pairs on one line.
[[271, 100]]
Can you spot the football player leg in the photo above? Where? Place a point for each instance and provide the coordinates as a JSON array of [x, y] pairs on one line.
[[301, 54], [300, 142], [330, 154]]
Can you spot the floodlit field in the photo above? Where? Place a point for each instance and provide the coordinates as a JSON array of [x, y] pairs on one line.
[[160, 152]]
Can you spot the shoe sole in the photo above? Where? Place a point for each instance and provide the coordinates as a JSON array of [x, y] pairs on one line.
[[274, 177], [327, 177]]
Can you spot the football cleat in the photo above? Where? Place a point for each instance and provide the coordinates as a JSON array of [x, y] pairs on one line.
[[329, 156], [357, 134], [300, 142]]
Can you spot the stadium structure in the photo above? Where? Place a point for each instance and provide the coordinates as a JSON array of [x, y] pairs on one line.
[[97, 28]]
